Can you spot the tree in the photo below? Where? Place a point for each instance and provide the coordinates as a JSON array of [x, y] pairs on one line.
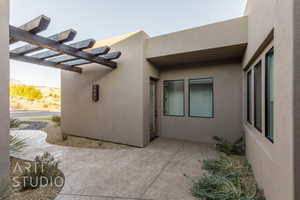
[[30, 93]]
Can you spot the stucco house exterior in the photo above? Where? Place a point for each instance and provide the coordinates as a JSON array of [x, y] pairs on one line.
[[227, 79]]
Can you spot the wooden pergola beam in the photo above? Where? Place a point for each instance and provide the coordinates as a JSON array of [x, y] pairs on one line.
[[95, 52], [43, 42], [112, 56], [35, 26], [37, 61], [85, 44], [109, 56], [64, 36]]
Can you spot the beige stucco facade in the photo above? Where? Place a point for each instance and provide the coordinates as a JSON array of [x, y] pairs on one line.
[[273, 163], [227, 94], [223, 51], [118, 116], [122, 114], [4, 81]]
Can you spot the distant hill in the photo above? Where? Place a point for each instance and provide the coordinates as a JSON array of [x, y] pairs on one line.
[[50, 100]]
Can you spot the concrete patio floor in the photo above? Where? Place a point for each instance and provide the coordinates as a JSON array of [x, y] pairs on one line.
[[160, 171]]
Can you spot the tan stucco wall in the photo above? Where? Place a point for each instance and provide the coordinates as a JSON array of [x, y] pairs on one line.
[[4, 81], [296, 99], [227, 121], [118, 116], [222, 34], [273, 163], [261, 18]]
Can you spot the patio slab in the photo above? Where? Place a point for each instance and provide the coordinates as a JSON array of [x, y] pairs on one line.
[[164, 170]]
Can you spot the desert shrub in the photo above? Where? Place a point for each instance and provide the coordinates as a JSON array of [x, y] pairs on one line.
[[14, 123], [29, 93], [56, 120], [4, 192], [16, 144], [225, 166], [230, 148], [227, 179], [214, 187], [45, 166]]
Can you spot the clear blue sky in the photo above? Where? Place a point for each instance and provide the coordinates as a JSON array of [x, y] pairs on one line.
[[101, 19]]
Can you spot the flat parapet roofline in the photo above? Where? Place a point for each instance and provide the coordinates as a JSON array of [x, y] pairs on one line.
[[214, 40]]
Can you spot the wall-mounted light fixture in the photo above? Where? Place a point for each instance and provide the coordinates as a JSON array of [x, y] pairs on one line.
[[95, 93]]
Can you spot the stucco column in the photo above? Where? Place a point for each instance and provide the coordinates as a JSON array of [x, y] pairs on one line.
[[4, 88], [296, 98]]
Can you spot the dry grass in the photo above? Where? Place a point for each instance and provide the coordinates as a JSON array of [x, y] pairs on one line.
[[47, 193]]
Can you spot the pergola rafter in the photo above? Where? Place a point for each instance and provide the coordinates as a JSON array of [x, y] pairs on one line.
[[59, 55]]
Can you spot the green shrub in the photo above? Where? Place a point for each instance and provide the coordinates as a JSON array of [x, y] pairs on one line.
[[29, 93], [14, 123], [214, 187], [16, 144], [230, 148], [45, 166], [56, 120], [4, 192], [225, 166], [228, 179]]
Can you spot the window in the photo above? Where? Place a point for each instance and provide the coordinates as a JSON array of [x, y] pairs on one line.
[[249, 97], [269, 97], [201, 97], [174, 98], [258, 97]]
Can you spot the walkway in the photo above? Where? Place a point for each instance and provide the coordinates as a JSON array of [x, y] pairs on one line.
[[159, 172]]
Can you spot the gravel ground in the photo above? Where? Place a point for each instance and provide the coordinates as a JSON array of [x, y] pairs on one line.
[[54, 136], [32, 125], [45, 193]]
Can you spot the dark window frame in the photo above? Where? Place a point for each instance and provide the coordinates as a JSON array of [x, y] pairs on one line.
[[249, 74], [271, 51], [213, 98], [164, 98], [259, 63]]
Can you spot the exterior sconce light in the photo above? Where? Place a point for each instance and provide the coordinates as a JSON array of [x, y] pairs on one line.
[[95, 93]]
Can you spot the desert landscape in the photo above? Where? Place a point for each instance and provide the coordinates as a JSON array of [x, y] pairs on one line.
[[33, 98]]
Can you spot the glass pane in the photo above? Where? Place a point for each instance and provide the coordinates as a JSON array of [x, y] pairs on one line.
[[258, 97], [270, 94], [201, 97], [174, 98], [249, 97]]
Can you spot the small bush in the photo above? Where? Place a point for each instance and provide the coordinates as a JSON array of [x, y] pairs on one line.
[[56, 120], [16, 144], [214, 187], [45, 166], [230, 148], [225, 166], [14, 123], [228, 179]]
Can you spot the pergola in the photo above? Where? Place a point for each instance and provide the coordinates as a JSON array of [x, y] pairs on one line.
[[58, 55]]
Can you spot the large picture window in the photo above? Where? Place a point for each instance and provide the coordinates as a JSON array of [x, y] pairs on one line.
[[269, 101], [249, 97], [174, 98], [258, 97], [201, 97]]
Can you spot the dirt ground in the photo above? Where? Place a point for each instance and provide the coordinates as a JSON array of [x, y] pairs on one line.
[[54, 136]]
